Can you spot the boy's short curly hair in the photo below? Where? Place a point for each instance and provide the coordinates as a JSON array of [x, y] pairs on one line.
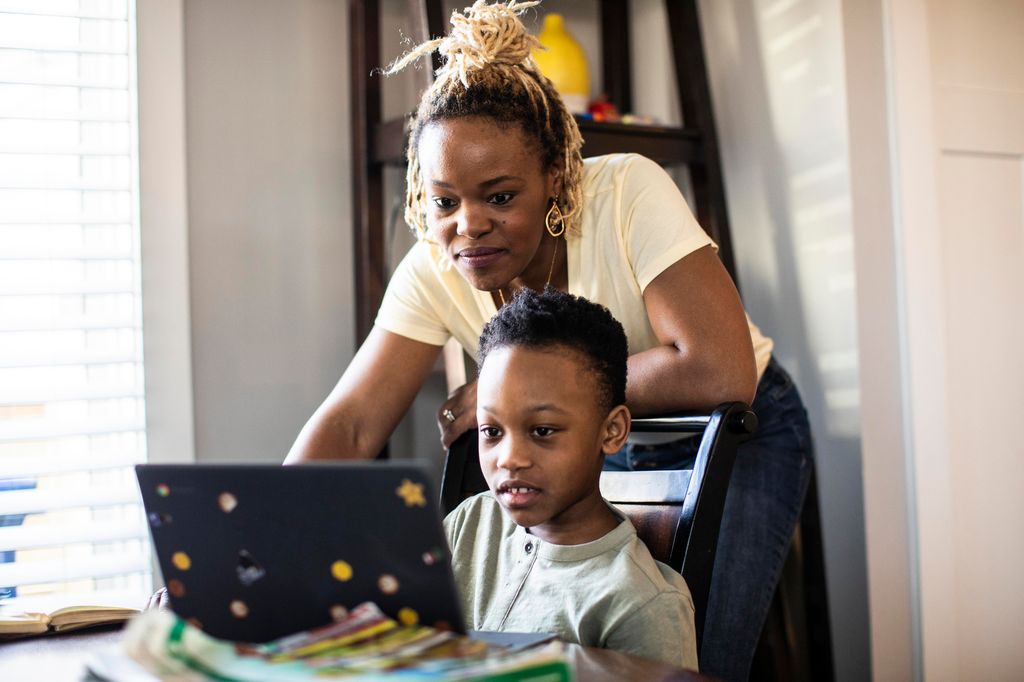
[[557, 319]]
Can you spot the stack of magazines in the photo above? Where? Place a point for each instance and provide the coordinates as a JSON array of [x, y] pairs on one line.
[[365, 644]]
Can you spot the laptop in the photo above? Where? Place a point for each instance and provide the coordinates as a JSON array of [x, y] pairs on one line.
[[252, 553]]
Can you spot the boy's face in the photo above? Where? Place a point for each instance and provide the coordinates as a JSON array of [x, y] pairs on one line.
[[543, 437]]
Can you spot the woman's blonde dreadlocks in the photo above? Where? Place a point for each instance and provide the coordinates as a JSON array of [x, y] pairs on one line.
[[488, 72]]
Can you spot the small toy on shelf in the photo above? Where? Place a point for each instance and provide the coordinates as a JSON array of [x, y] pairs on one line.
[[603, 110]]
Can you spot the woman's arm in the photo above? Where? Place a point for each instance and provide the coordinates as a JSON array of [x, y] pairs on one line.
[[706, 357], [375, 391]]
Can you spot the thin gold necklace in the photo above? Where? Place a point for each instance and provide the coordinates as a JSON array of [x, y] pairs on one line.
[[551, 271]]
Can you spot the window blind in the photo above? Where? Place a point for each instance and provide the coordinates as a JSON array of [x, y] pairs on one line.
[[72, 411]]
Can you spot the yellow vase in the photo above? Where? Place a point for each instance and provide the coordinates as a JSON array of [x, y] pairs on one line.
[[564, 63]]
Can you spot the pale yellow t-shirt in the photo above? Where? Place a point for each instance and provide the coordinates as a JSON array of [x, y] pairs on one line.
[[635, 224]]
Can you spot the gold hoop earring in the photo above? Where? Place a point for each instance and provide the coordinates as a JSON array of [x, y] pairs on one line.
[[553, 221]]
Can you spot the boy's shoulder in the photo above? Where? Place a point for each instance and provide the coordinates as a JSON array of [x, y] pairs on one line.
[[647, 577]]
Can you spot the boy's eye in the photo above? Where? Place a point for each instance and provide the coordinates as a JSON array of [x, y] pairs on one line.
[[443, 203], [490, 432], [543, 431], [501, 198]]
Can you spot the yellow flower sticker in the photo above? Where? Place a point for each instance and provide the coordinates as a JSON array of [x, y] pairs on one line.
[[412, 493], [181, 561], [341, 570]]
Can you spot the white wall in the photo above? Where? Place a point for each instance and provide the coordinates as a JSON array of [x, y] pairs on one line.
[[163, 213], [267, 118], [889, 532]]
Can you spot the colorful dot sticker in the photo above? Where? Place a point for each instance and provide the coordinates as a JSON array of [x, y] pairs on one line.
[[339, 612], [388, 584], [433, 556], [239, 609], [176, 588], [227, 502], [162, 490], [181, 561], [407, 616], [341, 570], [412, 493]]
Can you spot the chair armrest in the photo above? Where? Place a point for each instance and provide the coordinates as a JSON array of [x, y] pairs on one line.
[[737, 417]]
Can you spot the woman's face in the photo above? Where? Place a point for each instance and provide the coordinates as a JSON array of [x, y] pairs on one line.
[[487, 194]]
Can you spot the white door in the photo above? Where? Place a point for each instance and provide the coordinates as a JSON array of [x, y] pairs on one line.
[[978, 102]]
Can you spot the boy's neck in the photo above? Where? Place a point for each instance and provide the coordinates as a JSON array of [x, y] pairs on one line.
[[587, 523]]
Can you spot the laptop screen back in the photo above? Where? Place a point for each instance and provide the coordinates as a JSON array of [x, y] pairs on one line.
[[255, 552]]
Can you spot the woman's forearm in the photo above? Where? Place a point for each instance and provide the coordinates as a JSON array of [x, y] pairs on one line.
[[705, 356], [330, 435], [665, 379], [370, 399]]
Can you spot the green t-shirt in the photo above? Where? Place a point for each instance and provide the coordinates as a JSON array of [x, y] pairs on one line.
[[608, 593]]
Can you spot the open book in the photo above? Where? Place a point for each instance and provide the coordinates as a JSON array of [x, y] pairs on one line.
[[62, 620]]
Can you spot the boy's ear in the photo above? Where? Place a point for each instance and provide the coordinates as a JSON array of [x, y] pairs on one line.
[[616, 430]]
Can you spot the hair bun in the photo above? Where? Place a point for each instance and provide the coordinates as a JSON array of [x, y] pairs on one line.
[[486, 35], [481, 36]]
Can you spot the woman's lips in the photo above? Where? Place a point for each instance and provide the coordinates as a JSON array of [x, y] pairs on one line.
[[480, 257]]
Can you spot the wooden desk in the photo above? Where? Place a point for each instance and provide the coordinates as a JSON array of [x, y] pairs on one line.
[[61, 658]]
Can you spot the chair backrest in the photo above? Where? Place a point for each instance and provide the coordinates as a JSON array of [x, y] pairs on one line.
[[676, 513]]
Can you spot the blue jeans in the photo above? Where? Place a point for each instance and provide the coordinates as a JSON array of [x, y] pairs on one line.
[[766, 495]]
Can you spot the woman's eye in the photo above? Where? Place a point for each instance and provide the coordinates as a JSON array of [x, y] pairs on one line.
[[501, 198], [490, 432], [543, 431], [443, 203]]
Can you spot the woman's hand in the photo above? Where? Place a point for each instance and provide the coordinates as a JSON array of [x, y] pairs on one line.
[[457, 414]]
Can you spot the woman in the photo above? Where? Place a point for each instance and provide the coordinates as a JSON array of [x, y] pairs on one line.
[[501, 199]]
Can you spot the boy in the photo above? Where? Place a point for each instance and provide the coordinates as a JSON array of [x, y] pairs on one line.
[[542, 551]]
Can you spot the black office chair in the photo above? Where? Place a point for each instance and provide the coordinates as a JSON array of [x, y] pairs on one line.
[[677, 514]]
